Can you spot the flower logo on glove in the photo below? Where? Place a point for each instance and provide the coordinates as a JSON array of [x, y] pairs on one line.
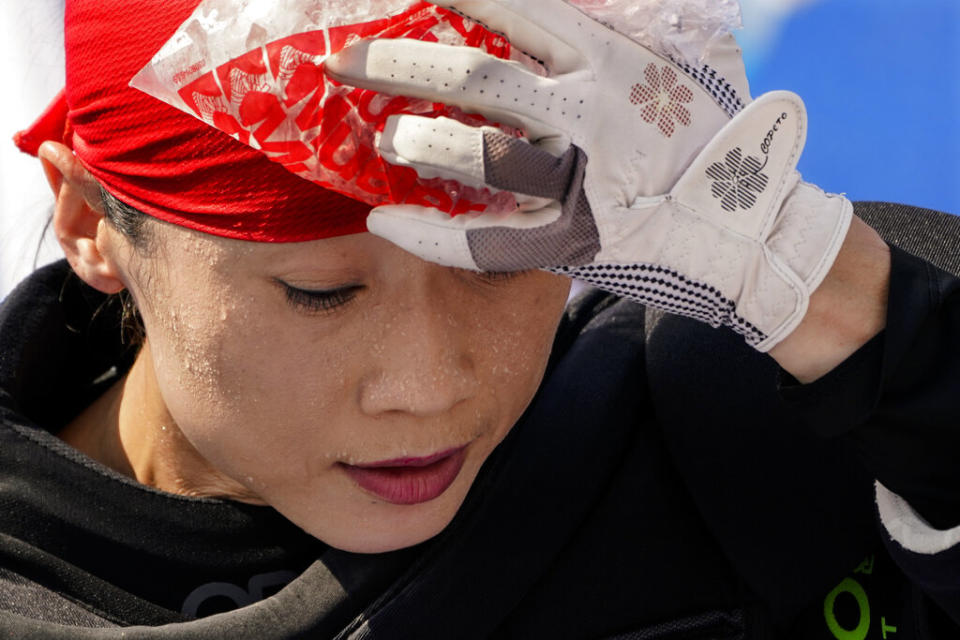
[[738, 181], [662, 99]]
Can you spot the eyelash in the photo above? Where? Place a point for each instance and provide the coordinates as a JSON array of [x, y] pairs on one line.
[[325, 301], [319, 301], [494, 277]]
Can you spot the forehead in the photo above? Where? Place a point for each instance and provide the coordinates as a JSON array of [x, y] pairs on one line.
[[215, 251], [190, 259]]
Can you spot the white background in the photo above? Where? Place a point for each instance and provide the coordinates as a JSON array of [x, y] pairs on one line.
[[31, 47]]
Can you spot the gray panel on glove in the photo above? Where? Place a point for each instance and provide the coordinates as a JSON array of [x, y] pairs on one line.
[[515, 165]]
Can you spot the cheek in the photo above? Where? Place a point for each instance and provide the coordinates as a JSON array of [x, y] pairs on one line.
[[244, 389], [187, 338], [516, 336], [279, 393]]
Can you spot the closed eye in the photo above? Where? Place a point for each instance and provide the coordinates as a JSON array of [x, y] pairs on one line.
[[497, 276], [493, 277], [319, 301]]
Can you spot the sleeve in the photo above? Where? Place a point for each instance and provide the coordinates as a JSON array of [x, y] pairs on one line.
[[930, 556], [897, 402]]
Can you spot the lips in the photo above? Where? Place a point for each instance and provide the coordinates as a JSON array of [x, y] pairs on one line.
[[407, 481]]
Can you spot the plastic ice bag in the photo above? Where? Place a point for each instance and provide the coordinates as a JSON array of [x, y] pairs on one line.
[[254, 69], [679, 29]]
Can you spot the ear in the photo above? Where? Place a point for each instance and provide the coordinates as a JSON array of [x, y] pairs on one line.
[[90, 244]]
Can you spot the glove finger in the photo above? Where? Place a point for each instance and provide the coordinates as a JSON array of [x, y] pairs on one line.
[[567, 236], [548, 30], [424, 232], [465, 77], [512, 164], [749, 166], [436, 237], [475, 156], [436, 148], [726, 57]]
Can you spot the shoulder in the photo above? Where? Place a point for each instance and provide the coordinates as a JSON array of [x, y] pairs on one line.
[[925, 233]]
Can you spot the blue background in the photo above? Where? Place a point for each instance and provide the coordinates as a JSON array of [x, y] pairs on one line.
[[881, 80]]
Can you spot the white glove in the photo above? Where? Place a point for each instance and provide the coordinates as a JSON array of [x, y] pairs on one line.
[[640, 175]]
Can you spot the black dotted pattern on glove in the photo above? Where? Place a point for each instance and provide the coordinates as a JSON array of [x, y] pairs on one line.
[[662, 288]]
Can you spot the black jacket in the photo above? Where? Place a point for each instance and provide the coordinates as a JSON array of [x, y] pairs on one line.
[[713, 496]]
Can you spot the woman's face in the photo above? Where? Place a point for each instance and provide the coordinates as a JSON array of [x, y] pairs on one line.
[[350, 385]]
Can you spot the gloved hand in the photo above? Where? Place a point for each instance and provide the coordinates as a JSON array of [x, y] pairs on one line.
[[640, 175]]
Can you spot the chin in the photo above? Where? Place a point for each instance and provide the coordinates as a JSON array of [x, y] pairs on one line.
[[386, 537], [385, 545]]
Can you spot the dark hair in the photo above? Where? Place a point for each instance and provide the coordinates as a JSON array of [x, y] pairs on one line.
[[133, 224]]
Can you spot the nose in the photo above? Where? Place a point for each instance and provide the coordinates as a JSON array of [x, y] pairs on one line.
[[423, 364]]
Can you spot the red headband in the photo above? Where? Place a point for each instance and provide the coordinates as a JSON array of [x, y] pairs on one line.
[[162, 161]]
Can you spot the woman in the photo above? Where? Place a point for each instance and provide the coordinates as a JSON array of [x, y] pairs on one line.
[[439, 451]]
